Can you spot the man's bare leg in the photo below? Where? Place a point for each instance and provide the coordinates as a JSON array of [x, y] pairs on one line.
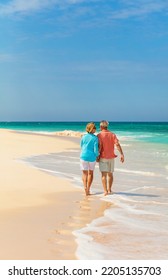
[[110, 182], [104, 182]]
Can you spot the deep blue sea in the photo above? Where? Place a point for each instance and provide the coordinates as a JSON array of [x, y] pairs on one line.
[[155, 132]]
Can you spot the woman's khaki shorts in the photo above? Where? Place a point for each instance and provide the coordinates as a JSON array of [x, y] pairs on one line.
[[106, 165]]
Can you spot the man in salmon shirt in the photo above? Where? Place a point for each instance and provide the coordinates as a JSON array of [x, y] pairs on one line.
[[107, 143]]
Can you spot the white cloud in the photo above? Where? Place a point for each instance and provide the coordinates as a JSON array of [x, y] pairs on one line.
[[24, 6], [99, 11], [138, 9]]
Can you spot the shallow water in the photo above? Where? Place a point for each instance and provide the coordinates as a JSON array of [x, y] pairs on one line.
[[136, 224], [154, 132]]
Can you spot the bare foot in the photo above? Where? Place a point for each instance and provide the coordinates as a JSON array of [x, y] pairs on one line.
[[86, 191], [106, 193]]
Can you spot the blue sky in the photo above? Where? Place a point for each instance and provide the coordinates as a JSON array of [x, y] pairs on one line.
[[83, 60]]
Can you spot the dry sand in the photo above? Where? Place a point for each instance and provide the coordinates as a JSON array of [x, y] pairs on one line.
[[39, 212]]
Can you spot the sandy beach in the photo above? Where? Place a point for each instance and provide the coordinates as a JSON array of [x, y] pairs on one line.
[[45, 215], [39, 212]]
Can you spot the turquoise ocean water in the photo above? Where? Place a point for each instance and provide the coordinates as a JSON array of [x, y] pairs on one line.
[[156, 132], [135, 226]]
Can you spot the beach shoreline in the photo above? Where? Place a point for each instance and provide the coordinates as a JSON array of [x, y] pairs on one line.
[[46, 215], [39, 212]]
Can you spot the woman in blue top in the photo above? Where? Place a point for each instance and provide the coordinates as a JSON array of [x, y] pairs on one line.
[[89, 153]]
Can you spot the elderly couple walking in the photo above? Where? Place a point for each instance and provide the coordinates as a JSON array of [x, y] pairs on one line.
[[99, 148]]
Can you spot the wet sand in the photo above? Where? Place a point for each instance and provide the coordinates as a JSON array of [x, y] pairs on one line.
[[39, 212]]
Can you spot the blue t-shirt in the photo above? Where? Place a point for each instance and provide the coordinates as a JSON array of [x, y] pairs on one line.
[[89, 147]]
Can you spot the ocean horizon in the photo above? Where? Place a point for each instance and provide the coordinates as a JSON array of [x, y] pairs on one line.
[[155, 132]]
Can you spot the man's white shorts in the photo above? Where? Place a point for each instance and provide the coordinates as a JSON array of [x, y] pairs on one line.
[[87, 165], [106, 165]]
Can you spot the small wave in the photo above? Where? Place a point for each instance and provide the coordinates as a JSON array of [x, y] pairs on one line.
[[73, 151], [145, 188], [129, 208], [137, 172], [70, 157], [62, 174], [126, 145], [69, 133], [34, 132]]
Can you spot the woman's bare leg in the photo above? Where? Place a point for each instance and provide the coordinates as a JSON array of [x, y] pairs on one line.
[[89, 181], [85, 180]]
